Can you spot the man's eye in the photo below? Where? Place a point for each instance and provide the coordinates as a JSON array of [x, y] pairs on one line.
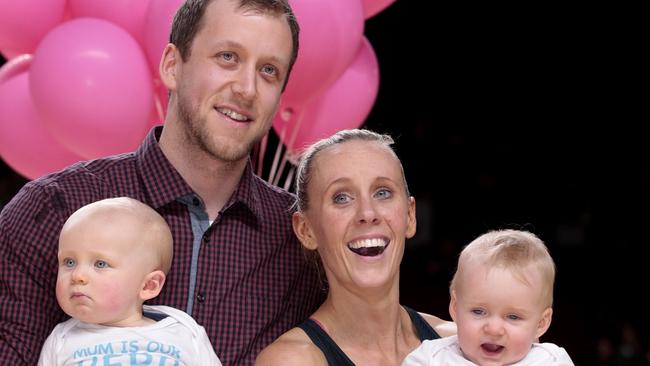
[[268, 69], [101, 264]]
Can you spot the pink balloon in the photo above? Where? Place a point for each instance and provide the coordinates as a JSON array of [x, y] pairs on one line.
[[92, 87], [372, 7], [8, 54], [157, 26], [24, 23], [128, 14], [25, 144], [345, 104], [330, 34], [14, 67]]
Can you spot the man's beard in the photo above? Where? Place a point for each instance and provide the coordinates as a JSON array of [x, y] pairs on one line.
[[197, 133]]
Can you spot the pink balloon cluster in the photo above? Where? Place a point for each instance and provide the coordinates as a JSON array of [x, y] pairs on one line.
[[336, 77], [82, 79]]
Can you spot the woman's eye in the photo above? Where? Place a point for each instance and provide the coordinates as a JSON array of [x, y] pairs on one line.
[[69, 262], [384, 193], [101, 264]]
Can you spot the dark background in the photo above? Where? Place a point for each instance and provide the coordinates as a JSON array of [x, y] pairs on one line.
[[524, 117]]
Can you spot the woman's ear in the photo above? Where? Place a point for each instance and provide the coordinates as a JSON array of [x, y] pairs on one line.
[[169, 66], [303, 231], [152, 285], [544, 322], [411, 219]]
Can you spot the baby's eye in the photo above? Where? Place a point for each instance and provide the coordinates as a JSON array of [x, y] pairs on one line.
[[513, 317], [478, 311], [69, 262], [341, 198], [101, 264], [384, 193]]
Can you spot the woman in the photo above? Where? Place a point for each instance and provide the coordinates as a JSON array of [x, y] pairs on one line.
[[355, 211]]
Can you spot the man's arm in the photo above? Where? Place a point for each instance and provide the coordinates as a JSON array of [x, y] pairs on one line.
[[29, 227]]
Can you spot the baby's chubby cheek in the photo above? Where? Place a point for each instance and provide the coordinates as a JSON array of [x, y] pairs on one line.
[[114, 297]]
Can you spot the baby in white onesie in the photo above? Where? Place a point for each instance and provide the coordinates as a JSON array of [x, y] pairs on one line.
[[501, 301]]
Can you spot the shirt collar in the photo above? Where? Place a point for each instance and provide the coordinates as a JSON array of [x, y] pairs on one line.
[[247, 192], [164, 184]]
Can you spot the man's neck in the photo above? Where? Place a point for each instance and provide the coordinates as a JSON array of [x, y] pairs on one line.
[[212, 179]]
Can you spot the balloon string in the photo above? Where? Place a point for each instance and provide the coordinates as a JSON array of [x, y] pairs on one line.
[[261, 152], [296, 128], [287, 182], [274, 166], [286, 116], [276, 181]]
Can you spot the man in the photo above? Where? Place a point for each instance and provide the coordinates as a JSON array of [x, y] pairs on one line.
[[237, 269]]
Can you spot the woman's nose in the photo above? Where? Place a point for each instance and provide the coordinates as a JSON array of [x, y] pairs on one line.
[[367, 211]]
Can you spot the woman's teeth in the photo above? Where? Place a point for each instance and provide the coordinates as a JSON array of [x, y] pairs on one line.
[[368, 247]]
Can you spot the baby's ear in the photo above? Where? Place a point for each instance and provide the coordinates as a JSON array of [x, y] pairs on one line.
[[544, 322], [452, 305], [152, 285]]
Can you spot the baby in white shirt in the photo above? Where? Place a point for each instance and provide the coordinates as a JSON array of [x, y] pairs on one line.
[[501, 301]]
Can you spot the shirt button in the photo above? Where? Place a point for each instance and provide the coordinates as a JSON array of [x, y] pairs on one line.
[[196, 201], [206, 238], [200, 297]]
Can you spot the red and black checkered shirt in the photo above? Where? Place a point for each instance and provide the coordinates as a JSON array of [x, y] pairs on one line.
[[252, 280]]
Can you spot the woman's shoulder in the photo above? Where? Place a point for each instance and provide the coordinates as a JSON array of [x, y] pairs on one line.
[[443, 327], [292, 348]]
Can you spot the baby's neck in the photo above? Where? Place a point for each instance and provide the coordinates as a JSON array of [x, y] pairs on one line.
[[144, 321], [139, 321]]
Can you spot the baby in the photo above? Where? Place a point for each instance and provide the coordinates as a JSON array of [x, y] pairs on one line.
[[501, 301], [114, 255]]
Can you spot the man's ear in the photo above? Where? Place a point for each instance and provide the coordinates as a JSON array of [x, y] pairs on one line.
[[453, 305], [303, 231], [152, 285], [168, 67], [412, 221], [544, 322]]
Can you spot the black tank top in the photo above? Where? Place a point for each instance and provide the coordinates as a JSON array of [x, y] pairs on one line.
[[334, 354]]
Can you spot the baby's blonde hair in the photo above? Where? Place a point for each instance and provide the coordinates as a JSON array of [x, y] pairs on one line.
[[514, 250], [153, 228]]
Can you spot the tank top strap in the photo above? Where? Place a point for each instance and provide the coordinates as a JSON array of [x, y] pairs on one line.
[[422, 327], [333, 353]]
